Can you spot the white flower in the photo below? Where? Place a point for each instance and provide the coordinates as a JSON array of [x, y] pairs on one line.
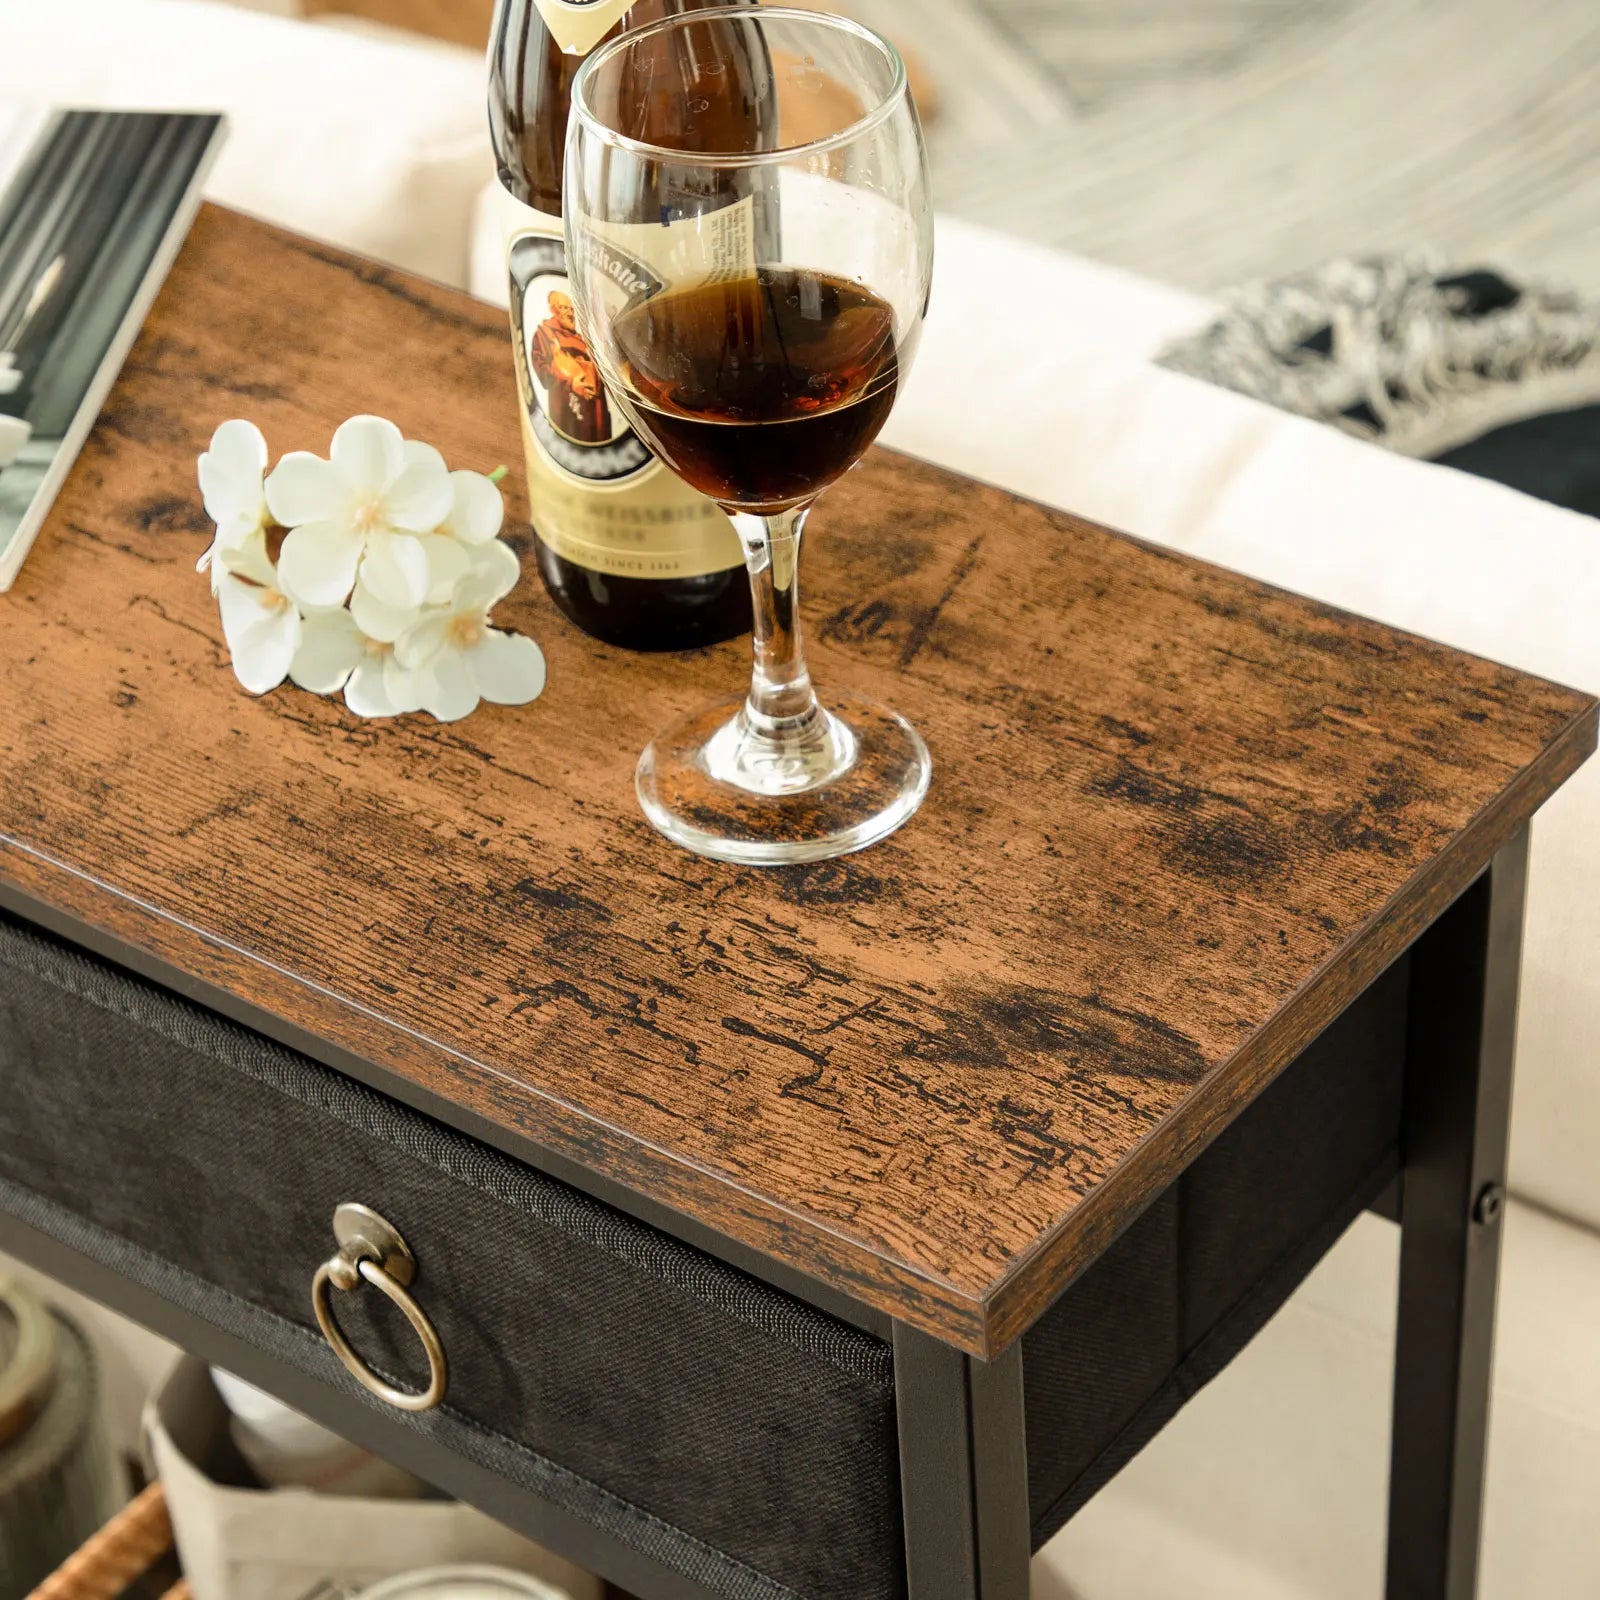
[[475, 516], [476, 513], [458, 659], [378, 621], [334, 654], [260, 622], [386, 577], [230, 482], [359, 513]]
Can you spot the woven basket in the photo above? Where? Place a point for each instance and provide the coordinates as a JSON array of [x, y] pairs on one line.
[[124, 1550]]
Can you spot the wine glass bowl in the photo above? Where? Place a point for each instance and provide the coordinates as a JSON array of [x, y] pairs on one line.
[[755, 331], [763, 391]]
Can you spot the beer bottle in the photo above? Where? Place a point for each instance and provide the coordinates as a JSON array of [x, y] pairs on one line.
[[626, 549]]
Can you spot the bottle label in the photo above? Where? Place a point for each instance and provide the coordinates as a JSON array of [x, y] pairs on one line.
[[596, 494], [579, 25]]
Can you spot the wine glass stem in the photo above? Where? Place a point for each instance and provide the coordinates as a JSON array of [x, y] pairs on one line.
[[781, 700]]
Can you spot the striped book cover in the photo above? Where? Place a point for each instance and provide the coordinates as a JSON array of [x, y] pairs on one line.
[[93, 208]]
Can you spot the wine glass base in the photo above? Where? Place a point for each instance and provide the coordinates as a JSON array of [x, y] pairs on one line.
[[713, 787]]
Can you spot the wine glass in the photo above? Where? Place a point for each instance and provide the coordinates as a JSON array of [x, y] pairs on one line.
[[750, 243]]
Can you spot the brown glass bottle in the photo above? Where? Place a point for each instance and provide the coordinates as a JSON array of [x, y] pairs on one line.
[[628, 552]]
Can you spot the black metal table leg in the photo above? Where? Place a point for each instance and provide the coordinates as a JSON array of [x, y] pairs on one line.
[[1463, 1011], [963, 1471]]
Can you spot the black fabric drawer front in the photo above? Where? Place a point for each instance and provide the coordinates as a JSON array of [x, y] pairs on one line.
[[732, 1415]]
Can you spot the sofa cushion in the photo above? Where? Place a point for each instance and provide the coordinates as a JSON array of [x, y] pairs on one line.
[[377, 144]]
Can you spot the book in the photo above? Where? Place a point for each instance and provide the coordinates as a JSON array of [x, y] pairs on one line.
[[94, 206]]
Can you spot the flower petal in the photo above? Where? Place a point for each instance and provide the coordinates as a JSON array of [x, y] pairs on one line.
[[447, 687], [509, 668], [365, 693], [395, 569], [416, 453], [447, 561], [420, 498], [377, 620], [369, 454], [262, 660], [304, 488], [241, 605], [246, 558], [238, 448], [209, 560], [479, 508], [493, 575], [230, 477], [400, 684], [421, 643], [261, 640], [318, 563], [330, 648]]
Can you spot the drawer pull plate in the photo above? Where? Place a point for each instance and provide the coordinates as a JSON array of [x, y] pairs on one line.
[[371, 1251]]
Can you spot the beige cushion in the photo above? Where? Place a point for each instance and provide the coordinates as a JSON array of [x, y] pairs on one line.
[[377, 144]]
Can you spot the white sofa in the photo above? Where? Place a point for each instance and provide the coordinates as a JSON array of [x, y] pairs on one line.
[[1272, 1483]]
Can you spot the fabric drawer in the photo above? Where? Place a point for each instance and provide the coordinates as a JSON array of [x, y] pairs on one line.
[[731, 1430], [739, 1433]]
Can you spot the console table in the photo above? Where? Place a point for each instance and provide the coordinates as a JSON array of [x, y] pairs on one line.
[[828, 1232]]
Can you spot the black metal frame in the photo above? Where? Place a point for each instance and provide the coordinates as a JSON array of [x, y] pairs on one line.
[[1462, 1021], [963, 1448], [963, 1471]]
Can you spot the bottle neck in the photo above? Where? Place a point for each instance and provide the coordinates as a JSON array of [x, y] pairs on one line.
[[535, 50]]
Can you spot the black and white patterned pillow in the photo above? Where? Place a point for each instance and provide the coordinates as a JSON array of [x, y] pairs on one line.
[[1461, 367]]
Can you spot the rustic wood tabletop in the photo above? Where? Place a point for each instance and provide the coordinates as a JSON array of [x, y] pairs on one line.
[[1178, 820]]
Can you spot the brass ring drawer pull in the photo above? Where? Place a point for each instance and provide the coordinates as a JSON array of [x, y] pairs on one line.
[[371, 1251]]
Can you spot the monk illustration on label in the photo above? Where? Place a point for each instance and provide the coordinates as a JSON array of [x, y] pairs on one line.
[[565, 367]]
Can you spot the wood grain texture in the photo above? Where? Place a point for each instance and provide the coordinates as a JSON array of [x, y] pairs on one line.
[[1178, 820]]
